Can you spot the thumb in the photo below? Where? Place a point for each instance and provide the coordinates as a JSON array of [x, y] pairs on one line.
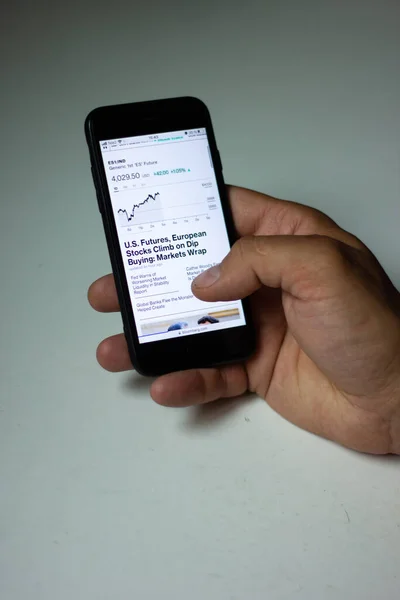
[[307, 267], [338, 309]]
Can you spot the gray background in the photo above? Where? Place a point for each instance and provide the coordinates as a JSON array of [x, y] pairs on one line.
[[105, 495]]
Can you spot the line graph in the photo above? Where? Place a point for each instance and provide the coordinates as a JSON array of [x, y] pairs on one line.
[[186, 200], [130, 216]]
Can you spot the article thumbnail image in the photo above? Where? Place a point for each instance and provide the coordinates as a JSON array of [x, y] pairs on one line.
[[195, 321]]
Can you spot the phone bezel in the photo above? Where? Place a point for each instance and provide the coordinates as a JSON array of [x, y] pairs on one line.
[[206, 349]]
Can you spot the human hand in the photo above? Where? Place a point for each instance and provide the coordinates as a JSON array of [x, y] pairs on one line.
[[328, 323]]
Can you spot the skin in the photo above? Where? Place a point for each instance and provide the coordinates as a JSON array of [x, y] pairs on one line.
[[328, 322]]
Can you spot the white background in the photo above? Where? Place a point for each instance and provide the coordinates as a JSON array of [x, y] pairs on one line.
[[104, 495]]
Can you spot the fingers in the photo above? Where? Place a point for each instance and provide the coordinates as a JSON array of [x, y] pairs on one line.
[[102, 294], [185, 388], [112, 354], [188, 388], [304, 266]]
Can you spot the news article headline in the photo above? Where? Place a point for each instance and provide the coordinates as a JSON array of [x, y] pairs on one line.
[[149, 250]]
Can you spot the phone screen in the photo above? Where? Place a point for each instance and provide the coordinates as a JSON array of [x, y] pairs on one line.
[[170, 227]]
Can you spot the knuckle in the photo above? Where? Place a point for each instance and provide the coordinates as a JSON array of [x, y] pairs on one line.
[[329, 250], [329, 254], [243, 247], [316, 224], [321, 268], [317, 218], [307, 220]]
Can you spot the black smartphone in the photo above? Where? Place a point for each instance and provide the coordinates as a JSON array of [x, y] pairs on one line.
[[161, 194]]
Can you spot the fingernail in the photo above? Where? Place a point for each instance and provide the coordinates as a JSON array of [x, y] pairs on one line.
[[208, 277]]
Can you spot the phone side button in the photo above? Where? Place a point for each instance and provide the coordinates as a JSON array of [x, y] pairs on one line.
[[99, 203], [220, 161], [95, 187]]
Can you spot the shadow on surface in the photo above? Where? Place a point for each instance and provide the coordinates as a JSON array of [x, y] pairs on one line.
[[137, 383], [214, 413], [384, 459]]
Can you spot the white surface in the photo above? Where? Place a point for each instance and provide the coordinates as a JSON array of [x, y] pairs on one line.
[[105, 495]]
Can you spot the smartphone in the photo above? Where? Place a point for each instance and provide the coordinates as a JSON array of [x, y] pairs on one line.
[[162, 198]]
